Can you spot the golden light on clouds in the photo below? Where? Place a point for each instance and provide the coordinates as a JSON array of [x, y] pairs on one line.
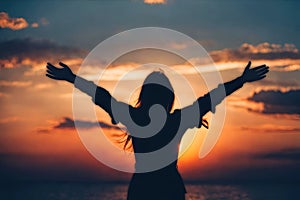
[[12, 23], [155, 1], [18, 23]]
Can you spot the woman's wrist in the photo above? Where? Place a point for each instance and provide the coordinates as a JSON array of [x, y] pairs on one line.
[[243, 80], [72, 78]]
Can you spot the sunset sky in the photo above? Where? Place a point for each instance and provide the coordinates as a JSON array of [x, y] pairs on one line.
[[261, 136]]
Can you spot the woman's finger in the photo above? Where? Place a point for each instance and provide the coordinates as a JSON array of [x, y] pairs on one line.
[[261, 77], [50, 64], [52, 77], [63, 64], [259, 67], [248, 65], [49, 71], [263, 71], [51, 67]]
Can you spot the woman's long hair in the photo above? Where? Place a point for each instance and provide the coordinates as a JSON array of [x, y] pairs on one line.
[[156, 89]]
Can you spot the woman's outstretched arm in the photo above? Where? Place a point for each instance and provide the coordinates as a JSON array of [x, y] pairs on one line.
[[66, 74], [209, 101], [214, 97], [99, 95]]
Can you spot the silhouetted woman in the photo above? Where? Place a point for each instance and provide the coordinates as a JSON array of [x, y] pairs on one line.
[[162, 183]]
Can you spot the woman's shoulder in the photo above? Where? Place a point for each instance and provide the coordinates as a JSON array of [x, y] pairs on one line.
[[175, 112]]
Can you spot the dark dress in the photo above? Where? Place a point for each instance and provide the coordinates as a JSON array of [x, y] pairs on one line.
[[163, 183]]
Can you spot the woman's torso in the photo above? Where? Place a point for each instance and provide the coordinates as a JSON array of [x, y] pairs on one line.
[[156, 157]]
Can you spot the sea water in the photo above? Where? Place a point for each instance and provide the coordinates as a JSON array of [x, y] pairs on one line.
[[117, 191]]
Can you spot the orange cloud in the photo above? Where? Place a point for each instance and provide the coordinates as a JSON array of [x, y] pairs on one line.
[[3, 95], [8, 120], [34, 25], [15, 83], [12, 23], [42, 86], [155, 1]]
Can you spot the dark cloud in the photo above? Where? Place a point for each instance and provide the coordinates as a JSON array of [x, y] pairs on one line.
[[263, 51], [278, 102], [285, 154], [68, 123], [279, 83], [30, 51]]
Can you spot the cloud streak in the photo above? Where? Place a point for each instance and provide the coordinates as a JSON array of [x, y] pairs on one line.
[[292, 154], [4, 83], [279, 57], [263, 51], [9, 119], [68, 123]]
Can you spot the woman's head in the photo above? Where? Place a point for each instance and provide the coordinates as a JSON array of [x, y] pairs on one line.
[[156, 89]]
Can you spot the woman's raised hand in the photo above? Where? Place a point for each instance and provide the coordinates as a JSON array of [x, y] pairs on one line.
[[254, 74], [64, 73]]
